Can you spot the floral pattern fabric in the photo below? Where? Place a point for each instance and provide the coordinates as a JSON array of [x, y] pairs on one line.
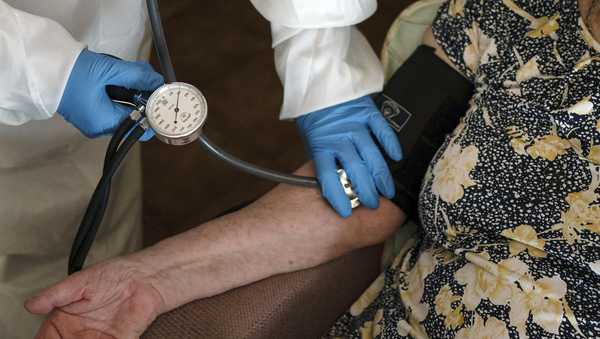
[[510, 206]]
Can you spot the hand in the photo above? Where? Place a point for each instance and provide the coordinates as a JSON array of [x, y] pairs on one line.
[[113, 300], [342, 134], [85, 103]]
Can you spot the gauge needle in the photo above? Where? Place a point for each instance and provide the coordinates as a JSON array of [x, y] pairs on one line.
[[177, 107]]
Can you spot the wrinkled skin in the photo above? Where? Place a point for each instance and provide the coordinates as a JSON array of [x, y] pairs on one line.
[[92, 304]]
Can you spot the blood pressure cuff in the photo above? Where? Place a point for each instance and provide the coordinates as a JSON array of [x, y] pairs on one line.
[[423, 102]]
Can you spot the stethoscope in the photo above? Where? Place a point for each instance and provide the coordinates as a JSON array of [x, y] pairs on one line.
[[176, 112]]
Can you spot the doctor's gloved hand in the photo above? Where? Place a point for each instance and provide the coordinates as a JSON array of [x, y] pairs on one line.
[[343, 134], [85, 103]]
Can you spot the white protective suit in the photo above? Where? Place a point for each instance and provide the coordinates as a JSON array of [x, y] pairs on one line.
[[321, 58], [48, 171]]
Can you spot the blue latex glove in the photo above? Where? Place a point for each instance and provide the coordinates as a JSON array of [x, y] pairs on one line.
[[85, 103], [342, 134]]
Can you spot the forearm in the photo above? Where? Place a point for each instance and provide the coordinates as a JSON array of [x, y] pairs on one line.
[[288, 229]]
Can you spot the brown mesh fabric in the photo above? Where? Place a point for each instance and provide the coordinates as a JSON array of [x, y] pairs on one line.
[[296, 305]]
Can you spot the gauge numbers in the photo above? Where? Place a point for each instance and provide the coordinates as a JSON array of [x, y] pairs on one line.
[[177, 112]]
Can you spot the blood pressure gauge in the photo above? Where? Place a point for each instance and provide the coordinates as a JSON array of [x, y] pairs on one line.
[[177, 112]]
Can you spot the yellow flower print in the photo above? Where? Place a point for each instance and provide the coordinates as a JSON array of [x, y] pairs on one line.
[[540, 27], [411, 328], [457, 7], [526, 71], [524, 237], [443, 306], [544, 26], [549, 147], [519, 140], [594, 155], [486, 280], [411, 292], [492, 328], [451, 174], [583, 213], [543, 300], [444, 256], [368, 296], [444, 300], [585, 61], [584, 106], [373, 328], [529, 70], [480, 50]]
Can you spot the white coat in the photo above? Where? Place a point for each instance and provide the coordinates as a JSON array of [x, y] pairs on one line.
[[48, 171], [321, 58]]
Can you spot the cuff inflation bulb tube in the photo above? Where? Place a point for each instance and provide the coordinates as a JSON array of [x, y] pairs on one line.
[[176, 112]]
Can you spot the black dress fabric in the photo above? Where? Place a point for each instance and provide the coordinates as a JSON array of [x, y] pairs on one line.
[[510, 204]]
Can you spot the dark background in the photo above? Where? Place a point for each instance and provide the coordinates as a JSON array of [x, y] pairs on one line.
[[223, 48]]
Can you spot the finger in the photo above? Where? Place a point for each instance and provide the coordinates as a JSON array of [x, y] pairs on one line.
[[385, 136], [376, 164], [359, 176], [148, 135], [331, 187], [136, 76], [47, 331], [64, 293], [119, 112]]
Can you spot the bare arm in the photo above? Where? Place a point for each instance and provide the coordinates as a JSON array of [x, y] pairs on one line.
[[288, 229]]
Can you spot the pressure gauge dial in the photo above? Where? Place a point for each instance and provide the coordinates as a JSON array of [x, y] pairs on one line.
[[177, 112]]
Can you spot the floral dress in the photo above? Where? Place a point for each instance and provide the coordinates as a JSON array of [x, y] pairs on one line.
[[510, 205]]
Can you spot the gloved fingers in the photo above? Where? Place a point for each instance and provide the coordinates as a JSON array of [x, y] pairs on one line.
[[359, 176], [331, 187], [135, 75], [149, 134], [376, 164], [385, 136], [118, 113]]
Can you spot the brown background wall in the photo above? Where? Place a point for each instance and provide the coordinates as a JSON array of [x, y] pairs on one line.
[[223, 47]]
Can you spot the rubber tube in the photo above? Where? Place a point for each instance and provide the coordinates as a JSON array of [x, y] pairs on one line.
[[160, 44], [98, 203], [257, 170]]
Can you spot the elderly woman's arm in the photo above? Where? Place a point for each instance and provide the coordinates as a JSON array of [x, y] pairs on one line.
[[288, 229]]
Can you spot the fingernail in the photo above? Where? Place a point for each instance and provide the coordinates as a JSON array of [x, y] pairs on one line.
[[397, 152]]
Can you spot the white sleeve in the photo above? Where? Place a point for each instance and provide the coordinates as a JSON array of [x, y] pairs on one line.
[[321, 58], [36, 58]]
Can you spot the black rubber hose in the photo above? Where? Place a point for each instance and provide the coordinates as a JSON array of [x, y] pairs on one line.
[[116, 139], [255, 170], [97, 207], [91, 211], [160, 41], [160, 44]]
